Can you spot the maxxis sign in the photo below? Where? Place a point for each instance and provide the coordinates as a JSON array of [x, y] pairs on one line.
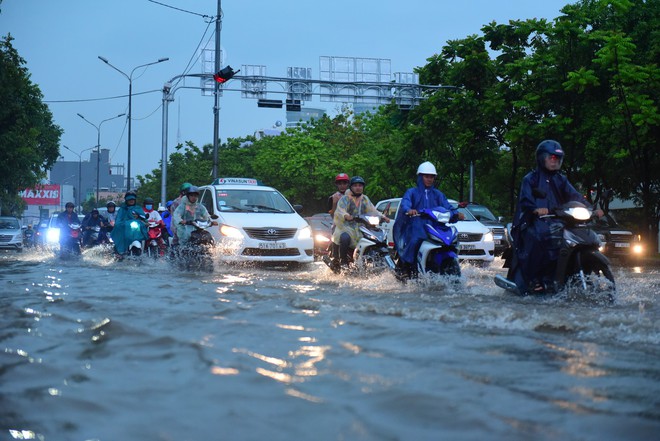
[[42, 195]]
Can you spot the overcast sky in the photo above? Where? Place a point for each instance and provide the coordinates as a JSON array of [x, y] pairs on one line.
[[62, 39]]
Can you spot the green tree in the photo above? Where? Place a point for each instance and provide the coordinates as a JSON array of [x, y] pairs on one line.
[[29, 141]]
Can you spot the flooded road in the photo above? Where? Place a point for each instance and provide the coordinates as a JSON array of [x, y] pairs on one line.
[[94, 350]]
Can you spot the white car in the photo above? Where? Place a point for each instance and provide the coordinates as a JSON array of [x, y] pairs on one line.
[[474, 238], [256, 223]]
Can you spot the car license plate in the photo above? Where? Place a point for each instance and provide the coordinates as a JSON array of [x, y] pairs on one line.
[[498, 237], [621, 245], [468, 247], [272, 245]]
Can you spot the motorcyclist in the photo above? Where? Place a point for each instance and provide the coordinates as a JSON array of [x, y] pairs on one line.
[[409, 232], [110, 215], [175, 204], [154, 216], [93, 219], [167, 217], [188, 211], [536, 239], [341, 182], [129, 225], [354, 203], [64, 219]]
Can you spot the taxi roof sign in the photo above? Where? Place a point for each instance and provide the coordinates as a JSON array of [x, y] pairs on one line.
[[236, 181]]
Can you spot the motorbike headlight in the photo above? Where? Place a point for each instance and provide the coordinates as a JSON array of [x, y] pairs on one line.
[[53, 235], [373, 220], [231, 232], [580, 213], [321, 238], [488, 237], [305, 233], [134, 225]]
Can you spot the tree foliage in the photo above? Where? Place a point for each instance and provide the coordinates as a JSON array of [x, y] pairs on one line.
[[588, 78], [28, 138]]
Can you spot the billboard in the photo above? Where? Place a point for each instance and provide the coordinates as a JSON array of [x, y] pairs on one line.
[[47, 194]]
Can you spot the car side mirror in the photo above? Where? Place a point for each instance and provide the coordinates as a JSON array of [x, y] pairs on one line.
[[297, 207], [214, 216], [500, 219]]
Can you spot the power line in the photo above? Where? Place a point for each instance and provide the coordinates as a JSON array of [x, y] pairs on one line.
[[182, 10], [100, 99]]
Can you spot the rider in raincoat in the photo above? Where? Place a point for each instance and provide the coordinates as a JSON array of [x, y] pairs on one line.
[[408, 231], [129, 224], [353, 204], [187, 211]]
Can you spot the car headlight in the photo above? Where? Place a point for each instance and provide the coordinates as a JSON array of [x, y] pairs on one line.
[[231, 232], [488, 237], [638, 248], [305, 233]]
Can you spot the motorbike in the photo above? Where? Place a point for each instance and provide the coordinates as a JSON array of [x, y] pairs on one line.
[[70, 246], [580, 267], [155, 245], [28, 238], [96, 236], [197, 253], [371, 254], [438, 253]]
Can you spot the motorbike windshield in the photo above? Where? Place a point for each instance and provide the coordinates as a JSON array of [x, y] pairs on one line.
[[251, 200]]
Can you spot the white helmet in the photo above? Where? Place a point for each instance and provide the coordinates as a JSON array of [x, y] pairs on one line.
[[426, 168]]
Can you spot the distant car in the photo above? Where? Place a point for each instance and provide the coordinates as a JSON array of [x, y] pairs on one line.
[[617, 241], [256, 223], [496, 225], [321, 224], [475, 239], [11, 234]]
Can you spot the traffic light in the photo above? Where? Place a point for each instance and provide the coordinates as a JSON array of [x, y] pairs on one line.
[[225, 74]]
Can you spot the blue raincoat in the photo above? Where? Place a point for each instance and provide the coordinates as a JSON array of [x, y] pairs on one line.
[[409, 231], [536, 240], [127, 228]]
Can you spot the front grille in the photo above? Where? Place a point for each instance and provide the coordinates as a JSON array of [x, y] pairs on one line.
[[271, 233], [5, 237], [499, 231], [471, 252], [469, 237], [286, 252], [621, 238]]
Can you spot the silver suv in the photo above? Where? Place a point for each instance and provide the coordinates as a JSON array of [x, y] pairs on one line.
[[11, 234]]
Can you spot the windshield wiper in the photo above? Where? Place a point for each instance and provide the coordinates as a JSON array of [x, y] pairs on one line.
[[264, 207]]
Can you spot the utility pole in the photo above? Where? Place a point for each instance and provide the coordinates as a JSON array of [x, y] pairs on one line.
[[216, 92]]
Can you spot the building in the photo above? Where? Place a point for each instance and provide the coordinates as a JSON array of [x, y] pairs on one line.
[[83, 173]]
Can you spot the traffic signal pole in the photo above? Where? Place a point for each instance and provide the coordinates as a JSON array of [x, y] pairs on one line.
[[216, 92]]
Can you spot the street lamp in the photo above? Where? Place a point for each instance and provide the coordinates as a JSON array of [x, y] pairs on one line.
[[98, 149], [130, 99], [79, 201]]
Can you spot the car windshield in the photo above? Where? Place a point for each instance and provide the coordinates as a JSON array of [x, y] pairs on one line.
[[481, 212], [467, 214], [9, 224], [256, 201]]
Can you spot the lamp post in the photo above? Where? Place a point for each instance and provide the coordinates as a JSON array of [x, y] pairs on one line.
[[98, 148], [130, 99], [79, 201]]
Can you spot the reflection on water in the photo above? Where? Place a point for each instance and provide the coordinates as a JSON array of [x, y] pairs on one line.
[[93, 350]]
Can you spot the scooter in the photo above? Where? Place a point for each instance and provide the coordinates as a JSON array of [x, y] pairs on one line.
[[197, 253], [155, 246], [371, 253], [96, 236], [580, 265], [71, 245], [438, 253]]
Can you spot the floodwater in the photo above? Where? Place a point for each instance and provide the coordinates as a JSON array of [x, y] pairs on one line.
[[94, 350]]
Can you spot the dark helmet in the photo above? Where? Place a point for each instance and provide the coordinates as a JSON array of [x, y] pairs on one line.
[[69, 204], [111, 204], [148, 201], [130, 195], [192, 190], [357, 180], [95, 211], [169, 204], [185, 186], [547, 148]]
